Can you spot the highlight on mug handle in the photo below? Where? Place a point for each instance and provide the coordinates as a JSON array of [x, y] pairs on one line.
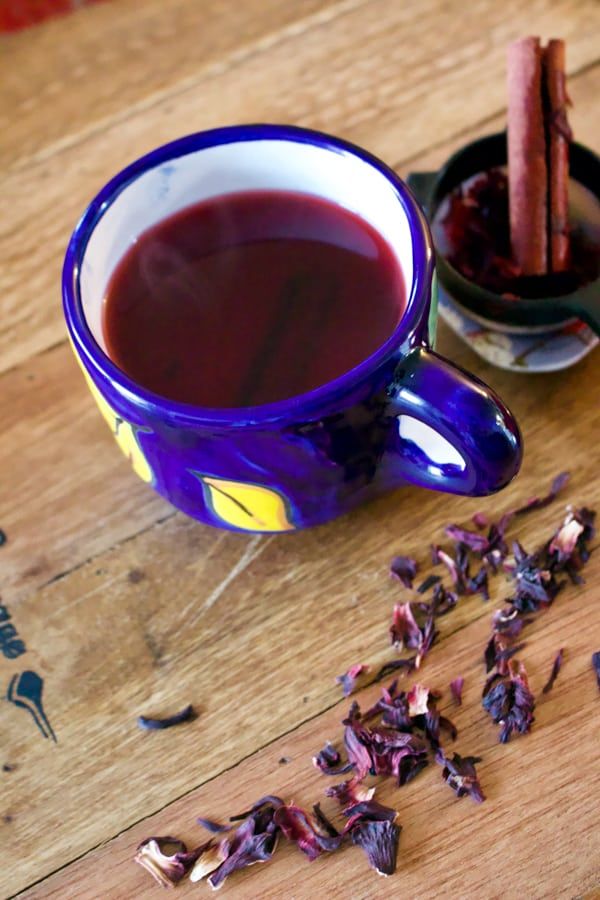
[[453, 433]]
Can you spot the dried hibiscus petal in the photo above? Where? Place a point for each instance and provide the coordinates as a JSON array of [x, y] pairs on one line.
[[418, 700], [209, 860], [254, 841], [214, 827], [509, 701], [460, 773], [596, 665], [404, 568], [167, 868], [535, 583], [456, 689], [349, 678], [404, 631], [379, 840], [371, 810], [540, 502], [393, 665], [297, 826], [556, 666], [349, 793], [329, 761], [150, 724]]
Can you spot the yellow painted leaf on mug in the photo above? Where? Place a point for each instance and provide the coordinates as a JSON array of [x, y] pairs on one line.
[[124, 433], [241, 504]]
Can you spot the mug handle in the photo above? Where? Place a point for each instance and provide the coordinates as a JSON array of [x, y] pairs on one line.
[[453, 433]]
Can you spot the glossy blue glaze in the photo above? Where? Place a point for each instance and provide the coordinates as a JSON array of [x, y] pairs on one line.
[[303, 461]]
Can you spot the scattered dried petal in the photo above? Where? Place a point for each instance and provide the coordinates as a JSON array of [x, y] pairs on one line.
[[210, 859], [404, 631], [380, 841], [404, 568], [349, 678], [324, 822], [387, 668], [418, 700], [456, 688], [428, 583], [556, 666], [509, 701], [3, 538], [148, 724], [214, 827], [371, 810], [254, 841], [480, 520], [540, 502], [298, 828], [460, 773], [348, 793], [167, 868], [329, 761]]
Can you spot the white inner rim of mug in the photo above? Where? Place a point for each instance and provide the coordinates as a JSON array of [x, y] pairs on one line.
[[335, 175]]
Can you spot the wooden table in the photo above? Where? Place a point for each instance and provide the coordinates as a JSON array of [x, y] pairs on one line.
[[127, 607]]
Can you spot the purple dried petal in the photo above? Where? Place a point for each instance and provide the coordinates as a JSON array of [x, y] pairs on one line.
[[429, 636], [387, 668], [322, 820], [298, 828], [596, 665], [329, 761], [270, 800], [348, 679], [428, 583], [214, 827], [357, 742], [404, 568], [380, 841], [456, 688], [148, 724], [440, 556], [540, 502], [443, 601], [460, 773], [508, 621], [480, 520], [371, 810], [475, 541], [350, 792], [254, 848], [509, 701], [167, 868], [404, 631], [556, 666]]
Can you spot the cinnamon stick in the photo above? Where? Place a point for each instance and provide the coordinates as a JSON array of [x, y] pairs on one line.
[[528, 180], [558, 138]]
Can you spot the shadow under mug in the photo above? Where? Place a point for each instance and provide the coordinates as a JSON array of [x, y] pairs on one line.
[[403, 416]]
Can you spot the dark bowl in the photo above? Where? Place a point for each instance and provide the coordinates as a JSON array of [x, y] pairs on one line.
[[495, 310]]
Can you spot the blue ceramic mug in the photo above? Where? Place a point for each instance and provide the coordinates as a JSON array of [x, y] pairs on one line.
[[403, 416]]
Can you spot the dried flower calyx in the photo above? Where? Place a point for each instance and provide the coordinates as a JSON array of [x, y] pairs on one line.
[[459, 772], [509, 700], [348, 679], [168, 868]]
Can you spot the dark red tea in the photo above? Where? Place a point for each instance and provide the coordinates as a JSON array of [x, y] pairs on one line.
[[250, 298]]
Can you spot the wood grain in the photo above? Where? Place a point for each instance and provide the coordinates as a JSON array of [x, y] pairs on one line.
[[394, 77], [129, 608]]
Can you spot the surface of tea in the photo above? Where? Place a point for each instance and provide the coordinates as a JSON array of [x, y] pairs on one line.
[[250, 298]]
